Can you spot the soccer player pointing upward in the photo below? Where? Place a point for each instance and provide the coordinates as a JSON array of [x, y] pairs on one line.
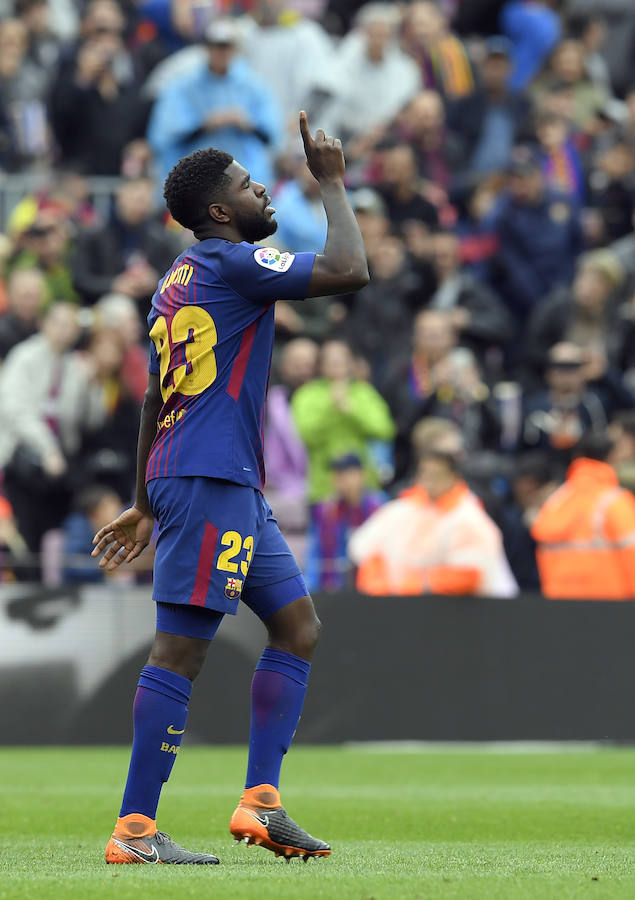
[[200, 474]]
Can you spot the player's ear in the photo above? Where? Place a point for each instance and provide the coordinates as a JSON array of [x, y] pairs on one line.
[[219, 213]]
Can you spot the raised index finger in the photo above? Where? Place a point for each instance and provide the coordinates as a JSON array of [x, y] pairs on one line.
[[307, 139]]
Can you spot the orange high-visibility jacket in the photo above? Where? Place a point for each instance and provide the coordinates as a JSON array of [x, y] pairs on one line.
[[585, 534], [413, 545]]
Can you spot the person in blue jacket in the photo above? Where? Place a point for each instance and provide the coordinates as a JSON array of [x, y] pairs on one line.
[[540, 236], [219, 102]]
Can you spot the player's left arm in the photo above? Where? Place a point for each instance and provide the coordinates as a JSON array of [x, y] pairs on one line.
[[130, 533]]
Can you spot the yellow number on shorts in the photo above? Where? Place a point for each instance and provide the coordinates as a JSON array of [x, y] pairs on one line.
[[195, 328], [248, 547], [234, 542]]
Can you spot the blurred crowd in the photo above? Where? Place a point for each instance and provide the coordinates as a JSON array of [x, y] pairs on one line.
[[422, 434]]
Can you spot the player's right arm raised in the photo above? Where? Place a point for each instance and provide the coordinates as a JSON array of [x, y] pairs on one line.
[[343, 266]]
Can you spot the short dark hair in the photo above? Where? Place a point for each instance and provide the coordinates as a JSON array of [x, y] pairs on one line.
[[195, 182], [593, 445], [535, 464]]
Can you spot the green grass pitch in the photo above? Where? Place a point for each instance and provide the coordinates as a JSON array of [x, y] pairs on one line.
[[448, 823]]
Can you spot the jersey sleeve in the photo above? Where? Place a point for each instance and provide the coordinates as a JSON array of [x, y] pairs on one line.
[[153, 366], [265, 274]]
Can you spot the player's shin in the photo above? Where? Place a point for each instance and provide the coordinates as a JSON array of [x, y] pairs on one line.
[[160, 714], [277, 696]]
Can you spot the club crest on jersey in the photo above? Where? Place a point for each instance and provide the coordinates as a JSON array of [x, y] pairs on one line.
[[272, 259], [233, 588]]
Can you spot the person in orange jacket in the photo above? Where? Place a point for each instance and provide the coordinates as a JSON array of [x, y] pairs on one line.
[[434, 538], [585, 532]]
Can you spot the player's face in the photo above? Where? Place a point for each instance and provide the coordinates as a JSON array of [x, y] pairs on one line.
[[249, 202]]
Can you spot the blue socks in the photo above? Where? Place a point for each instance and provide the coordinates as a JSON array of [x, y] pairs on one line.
[[159, 715], [277, 696]]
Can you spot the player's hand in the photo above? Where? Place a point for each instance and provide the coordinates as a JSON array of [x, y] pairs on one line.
[[124, 539], [324, 155]]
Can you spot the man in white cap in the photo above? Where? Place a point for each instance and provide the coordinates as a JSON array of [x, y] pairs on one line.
[[218, 101]]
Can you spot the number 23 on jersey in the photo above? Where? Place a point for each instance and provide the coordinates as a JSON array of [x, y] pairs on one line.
[[191, 337]]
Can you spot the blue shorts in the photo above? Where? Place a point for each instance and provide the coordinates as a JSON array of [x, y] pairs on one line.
[[220, 543]]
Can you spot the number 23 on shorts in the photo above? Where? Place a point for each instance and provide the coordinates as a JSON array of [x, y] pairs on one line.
[[235, 545]]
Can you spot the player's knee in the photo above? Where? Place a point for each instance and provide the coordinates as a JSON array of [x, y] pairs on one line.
[[183, 656], [306, 637], [188, 667]]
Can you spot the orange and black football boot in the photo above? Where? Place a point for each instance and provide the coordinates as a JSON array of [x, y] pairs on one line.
[[261, 819], [136, 840]]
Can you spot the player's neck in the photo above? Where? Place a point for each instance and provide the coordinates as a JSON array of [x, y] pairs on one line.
[[230, 234]]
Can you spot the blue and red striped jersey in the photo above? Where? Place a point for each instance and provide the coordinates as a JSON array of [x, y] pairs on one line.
[[211, 330]]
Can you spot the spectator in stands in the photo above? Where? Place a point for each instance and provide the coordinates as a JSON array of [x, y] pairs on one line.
[[624, 250], [568, 68], [93, 507], [300, 212], [556, 418], [442, 58], [108, 451], [612, 188], [370, 212], [587, 313], [11, 543], [129, 253], [65, 194], [430, 434], [539, 233], [327, 566], [628, 125], [435, 538], [533, 29], [96, 107], [492, 119], [435, 434], [374, 79], [285, 454], [439, 153], [478, 316], [585, 532], [377, 329], [479, 241], [292, 55], [218, 101], [622, 435], [402, 190], [590, 29], [45, 244], [438, 379], [119, 313], [48, 400], [43, 44], [23, 129], [338, 413], [534, 478], [26, 298], [560, 160]]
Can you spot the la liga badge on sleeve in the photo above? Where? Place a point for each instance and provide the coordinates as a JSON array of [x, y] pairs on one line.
[[272, 259]]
